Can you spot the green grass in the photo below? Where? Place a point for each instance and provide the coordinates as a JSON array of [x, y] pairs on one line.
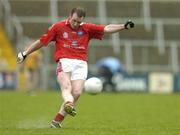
[[103, 114]]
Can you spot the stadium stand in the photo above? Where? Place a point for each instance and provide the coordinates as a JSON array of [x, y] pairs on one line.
[[163, 31], [36, 20], [7, 52]]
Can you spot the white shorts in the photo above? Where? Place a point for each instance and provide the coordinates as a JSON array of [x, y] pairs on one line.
[[77, 68]]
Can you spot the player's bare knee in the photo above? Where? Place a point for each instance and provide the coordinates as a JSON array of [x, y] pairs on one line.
[[66, 87], [77, 92]]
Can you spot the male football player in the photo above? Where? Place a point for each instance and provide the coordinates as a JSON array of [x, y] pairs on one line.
[[71, 37]]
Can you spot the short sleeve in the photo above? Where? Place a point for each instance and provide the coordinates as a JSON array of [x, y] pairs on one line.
[[49, 35], [95, 31]]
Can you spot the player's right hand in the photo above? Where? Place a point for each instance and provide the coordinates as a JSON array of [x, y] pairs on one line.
[[21, 57]]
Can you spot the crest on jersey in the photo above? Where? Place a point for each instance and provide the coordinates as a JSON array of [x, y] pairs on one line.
[[80, 33], [65, 35]]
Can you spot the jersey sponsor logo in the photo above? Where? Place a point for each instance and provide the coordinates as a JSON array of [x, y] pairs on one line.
[[65, 35], [80, 33], [74, 46], [74, 43]]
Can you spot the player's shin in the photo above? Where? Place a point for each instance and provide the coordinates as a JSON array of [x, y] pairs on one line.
[[67, 96], [62, 111], [76, 96]]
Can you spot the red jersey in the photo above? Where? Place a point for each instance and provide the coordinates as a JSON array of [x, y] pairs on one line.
[[70, 43]]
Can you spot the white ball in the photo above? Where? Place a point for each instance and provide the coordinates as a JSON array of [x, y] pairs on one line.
[[93, 85]]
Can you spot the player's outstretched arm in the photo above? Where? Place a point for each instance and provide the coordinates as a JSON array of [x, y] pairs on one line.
[[113, 28], [30, 49]]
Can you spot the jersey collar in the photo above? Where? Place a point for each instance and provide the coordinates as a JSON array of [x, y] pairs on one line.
[[67, 21]]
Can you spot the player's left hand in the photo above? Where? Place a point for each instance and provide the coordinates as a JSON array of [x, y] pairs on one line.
[[129, 24]]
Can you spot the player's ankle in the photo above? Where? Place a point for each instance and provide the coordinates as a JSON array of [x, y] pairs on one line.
[[58, 118]]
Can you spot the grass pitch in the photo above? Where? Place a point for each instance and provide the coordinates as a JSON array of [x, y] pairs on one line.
[[103, 114]]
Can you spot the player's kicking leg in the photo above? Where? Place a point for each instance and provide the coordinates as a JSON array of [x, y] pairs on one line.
[[69, 108], [77, 88]]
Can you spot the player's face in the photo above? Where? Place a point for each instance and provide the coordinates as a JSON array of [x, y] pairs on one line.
[[75, 21]]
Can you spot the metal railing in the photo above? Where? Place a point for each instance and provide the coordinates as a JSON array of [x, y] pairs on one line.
[[12, 24], [7, 17]]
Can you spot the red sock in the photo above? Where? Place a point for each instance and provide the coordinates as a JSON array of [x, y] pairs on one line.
[[59, 117]]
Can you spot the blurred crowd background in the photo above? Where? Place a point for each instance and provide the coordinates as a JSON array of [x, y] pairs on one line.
[[144, 59]]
